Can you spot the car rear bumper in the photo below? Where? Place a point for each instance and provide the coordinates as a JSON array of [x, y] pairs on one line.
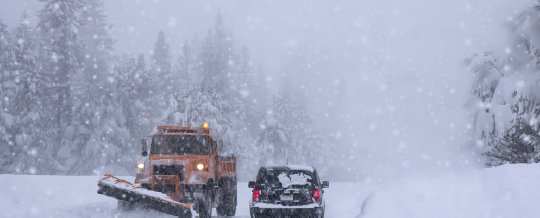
[[286, 211]]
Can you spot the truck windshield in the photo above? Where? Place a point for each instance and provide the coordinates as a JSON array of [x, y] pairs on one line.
[[180, 144]]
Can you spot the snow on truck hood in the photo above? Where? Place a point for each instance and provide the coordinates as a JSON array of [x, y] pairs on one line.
[[168, 162]]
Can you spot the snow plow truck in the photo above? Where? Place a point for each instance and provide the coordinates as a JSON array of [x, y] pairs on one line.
[[182, 170]]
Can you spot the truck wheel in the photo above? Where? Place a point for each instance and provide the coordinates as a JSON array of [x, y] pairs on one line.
[[205, 206], [227, 204]]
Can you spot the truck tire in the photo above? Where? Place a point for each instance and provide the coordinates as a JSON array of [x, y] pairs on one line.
[[205, 206], [227, 203]]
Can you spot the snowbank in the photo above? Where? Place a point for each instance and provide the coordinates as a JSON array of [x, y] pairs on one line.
[[505, 191]]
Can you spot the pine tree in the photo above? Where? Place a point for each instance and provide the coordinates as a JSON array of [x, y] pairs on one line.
[[240, 78], [202, 105], [216, 57], [161, 63], [32, 106], [60, 21], [504, 94], [519, 144], [7, 65], [195, 45], [262, 128], [288, 135], [247, 91], [273, 141], [98, 44], [7, 58], [151, 93], [186, 66], [82, 141], [60, 24], [260, 97], [146, 89], [130, 113], [276, 139], [312, 149], [245, 68], [208, 66], [303, 133]]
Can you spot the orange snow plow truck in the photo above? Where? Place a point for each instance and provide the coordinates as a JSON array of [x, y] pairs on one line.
[[182, 170]]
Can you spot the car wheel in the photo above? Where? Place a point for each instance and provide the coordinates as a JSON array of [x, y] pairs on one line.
[[318, 213], [252, 213]]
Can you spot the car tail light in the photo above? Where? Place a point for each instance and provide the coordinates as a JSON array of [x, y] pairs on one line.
[[316, 195], [256, 195]]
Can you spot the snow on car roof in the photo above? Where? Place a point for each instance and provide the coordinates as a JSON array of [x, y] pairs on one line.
[[292, 167], [300, 167]]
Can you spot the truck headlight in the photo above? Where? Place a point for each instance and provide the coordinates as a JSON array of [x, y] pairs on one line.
[[200, 166], [141, 165]]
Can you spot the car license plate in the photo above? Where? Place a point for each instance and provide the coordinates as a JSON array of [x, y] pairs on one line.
[[286, 197]]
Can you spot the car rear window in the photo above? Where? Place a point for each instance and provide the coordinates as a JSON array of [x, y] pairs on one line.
[[285, 177]]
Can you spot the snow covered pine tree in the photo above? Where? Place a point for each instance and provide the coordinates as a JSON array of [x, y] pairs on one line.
[[505, 102], [7, 58], [32, 107]]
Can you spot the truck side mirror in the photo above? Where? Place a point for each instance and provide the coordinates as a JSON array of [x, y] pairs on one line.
[[251, 184], [144, 147], [325, 184]]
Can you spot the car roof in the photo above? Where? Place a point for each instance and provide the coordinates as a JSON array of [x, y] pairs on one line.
[[291, 167]]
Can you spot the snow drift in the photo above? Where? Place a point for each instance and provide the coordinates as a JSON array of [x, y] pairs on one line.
[[505, 191]]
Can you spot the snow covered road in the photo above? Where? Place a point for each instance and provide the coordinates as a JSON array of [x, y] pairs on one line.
[[75, 196], [506, 191]]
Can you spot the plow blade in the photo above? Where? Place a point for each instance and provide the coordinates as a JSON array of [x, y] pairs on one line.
[[123, 190]]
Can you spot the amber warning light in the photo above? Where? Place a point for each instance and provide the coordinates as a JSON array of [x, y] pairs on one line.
[[205, 125]]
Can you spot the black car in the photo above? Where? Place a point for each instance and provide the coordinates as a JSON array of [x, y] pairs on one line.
[[294, 191]]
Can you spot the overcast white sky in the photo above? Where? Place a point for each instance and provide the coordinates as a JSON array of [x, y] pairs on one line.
[[382, 75]]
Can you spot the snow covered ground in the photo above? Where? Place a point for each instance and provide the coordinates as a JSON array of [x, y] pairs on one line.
[[75, 196], [506, 191]]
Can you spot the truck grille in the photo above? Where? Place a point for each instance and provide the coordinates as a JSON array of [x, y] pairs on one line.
[[166, 188], [169, 170]]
